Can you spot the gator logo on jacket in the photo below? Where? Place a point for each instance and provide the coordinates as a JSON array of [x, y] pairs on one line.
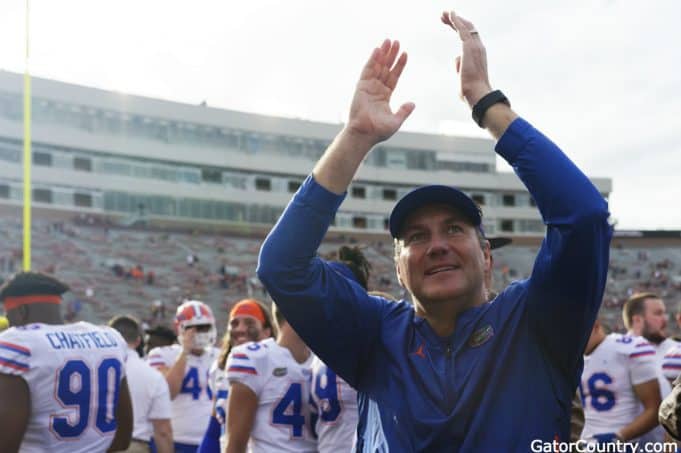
[[481, 336]]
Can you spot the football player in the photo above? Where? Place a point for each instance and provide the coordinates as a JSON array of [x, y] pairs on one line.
[[335, 401], [62, 387], [186, 367], [645, 315], [269, 404], [249, 320], [619, 376]]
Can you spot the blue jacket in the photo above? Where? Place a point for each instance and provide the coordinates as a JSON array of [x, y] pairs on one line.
[[507, 374]]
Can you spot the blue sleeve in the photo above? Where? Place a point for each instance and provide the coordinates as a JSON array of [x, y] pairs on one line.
[[565, 289], [335, 317], [211, 439]]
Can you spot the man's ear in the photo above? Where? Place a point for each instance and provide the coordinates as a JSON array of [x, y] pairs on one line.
[[397, 273], [635, 319]]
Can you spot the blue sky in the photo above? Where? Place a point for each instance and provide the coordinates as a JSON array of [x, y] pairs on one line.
[[602, 78]]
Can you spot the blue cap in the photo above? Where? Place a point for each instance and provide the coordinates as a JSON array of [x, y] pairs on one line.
[[426, 195]]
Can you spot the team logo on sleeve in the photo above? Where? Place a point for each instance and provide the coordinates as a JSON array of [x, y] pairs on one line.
[[279, 372], [481, 336]]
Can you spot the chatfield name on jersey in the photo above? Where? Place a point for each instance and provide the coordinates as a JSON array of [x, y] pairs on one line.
[[81, 340]]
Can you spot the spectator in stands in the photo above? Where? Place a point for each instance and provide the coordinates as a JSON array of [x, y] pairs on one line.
[[137, 272], [224, 275], [158, 311], [149, 394], [526, 346], [118, 270]]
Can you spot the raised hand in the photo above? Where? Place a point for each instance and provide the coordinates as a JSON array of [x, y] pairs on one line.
[[370, 113], [472, 64], [188, 335]]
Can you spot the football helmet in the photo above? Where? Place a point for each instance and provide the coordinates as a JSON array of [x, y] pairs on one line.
[[196, 313]]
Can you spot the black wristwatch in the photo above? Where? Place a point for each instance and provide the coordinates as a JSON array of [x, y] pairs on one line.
[[487, 101]]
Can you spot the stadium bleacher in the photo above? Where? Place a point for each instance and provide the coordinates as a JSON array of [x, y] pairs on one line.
[[113, 269]]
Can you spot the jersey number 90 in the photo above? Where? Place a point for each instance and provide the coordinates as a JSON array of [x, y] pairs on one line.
[[92, 395]]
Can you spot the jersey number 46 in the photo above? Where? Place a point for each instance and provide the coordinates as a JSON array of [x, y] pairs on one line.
[[600, 397]]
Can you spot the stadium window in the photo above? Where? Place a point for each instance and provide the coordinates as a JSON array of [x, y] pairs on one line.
[[234, 180], [195, 206], [221, 211], [389, 194], [508, 200], [533, 203], [212, 175], [44, 159], [82, 163], [293, 186], [359, 222], [507, 226], [190, 175], [116, 167], [534, 226], [82, 199], [479, 199], [4, 190], [42, 195], [359, 192], [11, 155], [263, 184]]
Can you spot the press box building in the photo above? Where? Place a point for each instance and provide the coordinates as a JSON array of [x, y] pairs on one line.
[[124, 156]]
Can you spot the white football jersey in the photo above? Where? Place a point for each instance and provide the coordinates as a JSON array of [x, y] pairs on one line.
[[193, 405], [661, 351], [74, 373], [610, 372], [336, 405], [657, 434], [671, 363], [283, 420], [220, 385]]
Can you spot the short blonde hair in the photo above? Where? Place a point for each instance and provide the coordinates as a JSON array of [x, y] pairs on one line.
[[635, 305]]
